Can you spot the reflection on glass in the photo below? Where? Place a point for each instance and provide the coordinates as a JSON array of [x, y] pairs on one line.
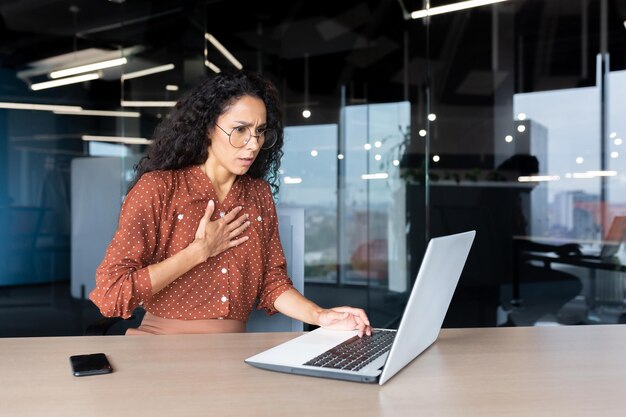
[[310, 181], [373, 242], [571, 120]]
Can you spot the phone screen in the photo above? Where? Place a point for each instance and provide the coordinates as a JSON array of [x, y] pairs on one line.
[[92, 364]]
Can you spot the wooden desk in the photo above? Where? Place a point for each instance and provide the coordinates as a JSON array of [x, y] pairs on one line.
[[538, 371]]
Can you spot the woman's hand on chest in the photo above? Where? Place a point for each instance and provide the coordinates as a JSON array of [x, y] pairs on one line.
[[213, 237]]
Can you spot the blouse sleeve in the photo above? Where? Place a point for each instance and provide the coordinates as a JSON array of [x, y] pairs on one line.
[[275, 278], [122, 279]]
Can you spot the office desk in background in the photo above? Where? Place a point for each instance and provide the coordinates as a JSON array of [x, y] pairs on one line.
[[614, 264], [570, 371]]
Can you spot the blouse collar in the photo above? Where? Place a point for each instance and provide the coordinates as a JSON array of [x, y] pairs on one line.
[[233, 196]]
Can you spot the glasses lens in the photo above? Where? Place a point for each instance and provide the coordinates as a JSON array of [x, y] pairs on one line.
[[239, 136], [270, 138]]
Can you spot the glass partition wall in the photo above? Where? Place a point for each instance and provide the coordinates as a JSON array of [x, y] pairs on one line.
[[525, 148], [401, 125]]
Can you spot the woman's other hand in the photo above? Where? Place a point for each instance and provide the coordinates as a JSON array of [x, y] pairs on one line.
[[345, 318]]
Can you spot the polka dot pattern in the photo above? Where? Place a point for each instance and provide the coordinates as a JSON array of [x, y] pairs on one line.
[[159, 218]]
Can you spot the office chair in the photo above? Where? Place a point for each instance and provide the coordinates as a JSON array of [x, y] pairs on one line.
[[593, 293], [547, 289]]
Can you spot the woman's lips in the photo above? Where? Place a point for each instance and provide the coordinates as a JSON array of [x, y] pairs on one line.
[[246, 161]]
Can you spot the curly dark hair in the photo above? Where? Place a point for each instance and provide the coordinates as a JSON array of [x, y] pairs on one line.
[[180, 140]]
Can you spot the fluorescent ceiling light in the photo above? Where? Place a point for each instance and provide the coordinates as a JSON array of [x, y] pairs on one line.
[[213, 67], [64, 81], [70, 110], [223, 50], [44, 107], [171, 87], [602, 173], [129, 103], [75, 58], [591, 174], [379, 176], [87, 68], [538, 178], [147, 71], [293, 180], [419, 14], [117, 139], [109, 113], [582, 175]]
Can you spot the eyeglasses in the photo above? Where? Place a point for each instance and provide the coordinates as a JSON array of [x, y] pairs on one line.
[[240, 136]]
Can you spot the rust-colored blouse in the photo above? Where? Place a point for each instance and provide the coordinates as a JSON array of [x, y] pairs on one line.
[[159, 218]]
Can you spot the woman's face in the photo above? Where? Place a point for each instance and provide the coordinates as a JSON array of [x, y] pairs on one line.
[[247, 112]]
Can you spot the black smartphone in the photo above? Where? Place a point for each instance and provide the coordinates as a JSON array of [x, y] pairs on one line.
[[92, 364]]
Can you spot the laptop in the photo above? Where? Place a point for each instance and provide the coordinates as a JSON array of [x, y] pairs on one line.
[[612, 241], [343, 355]]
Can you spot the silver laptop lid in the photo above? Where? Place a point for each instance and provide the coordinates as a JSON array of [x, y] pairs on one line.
[[429, 300]]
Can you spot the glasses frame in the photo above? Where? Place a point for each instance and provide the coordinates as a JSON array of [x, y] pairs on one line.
[[257, 137]]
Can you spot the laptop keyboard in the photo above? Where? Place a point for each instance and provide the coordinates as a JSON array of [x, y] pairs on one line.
[[356, 352]]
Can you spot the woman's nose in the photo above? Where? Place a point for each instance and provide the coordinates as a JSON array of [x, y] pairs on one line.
[[253, 144]]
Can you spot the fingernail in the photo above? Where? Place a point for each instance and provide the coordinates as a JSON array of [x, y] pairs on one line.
[[211, 203], [246, 215], [247, 223]]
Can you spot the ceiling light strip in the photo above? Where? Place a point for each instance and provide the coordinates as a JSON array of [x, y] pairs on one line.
[[603, 173], [129, 103], [117, 139], [107, 113], [293, 180], [579, 175], [377, 176], [538, 178], [213, 67], [147, 71], [591, 174], [223, 50], [87, 68], [42, 107], [64, 81], [419, 14]]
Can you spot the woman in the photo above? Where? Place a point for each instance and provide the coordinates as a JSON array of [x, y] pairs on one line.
[[197, 241]]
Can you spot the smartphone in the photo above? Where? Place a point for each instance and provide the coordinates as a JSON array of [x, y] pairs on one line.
[[92, 364]]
